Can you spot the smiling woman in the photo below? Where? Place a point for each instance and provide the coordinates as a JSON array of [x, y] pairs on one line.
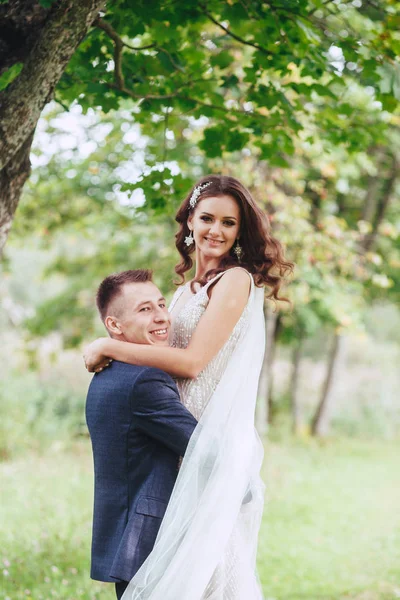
[[225, 227], [215, 225]]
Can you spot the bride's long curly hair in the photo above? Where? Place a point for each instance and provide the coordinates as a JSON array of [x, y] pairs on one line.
[[263, 254]]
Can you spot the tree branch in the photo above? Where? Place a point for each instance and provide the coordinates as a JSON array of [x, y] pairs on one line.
[[180, 96], [119, 44], [173, 63], [247, 9], [110, 31], [231, 34], [165, 149], [131, 94]]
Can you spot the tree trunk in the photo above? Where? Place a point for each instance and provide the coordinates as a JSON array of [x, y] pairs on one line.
[[373, 184], [374, 212], [270, 400], [20, 24], [263, 409], [341, 203], [322, 418], [294, 386], [382, 204], [22, 102], [371, 198], [12, 179]]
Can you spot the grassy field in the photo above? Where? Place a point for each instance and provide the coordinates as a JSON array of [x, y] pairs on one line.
[[331, 528], [331, 525]]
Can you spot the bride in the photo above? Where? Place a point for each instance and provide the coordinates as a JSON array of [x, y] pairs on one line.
[[206, 546]]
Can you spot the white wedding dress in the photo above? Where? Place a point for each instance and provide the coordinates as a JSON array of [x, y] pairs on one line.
[[207, 544]]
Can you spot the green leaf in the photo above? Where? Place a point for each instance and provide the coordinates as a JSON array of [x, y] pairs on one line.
[[386, 74], [11, 74], [236, 140], [222, 59], [323, 90], [168, 61], [230, 82], [278, 161], [345, 109], [311, 34], [214, 141]]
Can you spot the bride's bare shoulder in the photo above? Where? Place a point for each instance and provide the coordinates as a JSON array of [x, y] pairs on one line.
[[236, 282]]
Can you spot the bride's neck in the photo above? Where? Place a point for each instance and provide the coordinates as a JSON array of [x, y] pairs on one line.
[[204, 264]]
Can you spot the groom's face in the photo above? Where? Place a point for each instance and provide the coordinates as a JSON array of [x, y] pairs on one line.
[[139, 315]]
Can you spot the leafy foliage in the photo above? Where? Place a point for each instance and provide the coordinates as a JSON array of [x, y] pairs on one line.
[[114, 209], [255, 71], [297, 99]]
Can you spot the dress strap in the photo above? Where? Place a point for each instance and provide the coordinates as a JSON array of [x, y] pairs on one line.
[[215, 279], [176, 296]]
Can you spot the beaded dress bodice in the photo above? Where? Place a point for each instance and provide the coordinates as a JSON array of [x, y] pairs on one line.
[[195, 393]]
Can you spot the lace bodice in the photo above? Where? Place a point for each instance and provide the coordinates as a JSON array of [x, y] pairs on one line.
[[195, 393]]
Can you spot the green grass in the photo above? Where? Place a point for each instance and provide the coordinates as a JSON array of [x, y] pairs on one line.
[[331, 528]]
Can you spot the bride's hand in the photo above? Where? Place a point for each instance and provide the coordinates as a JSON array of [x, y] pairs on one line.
[[95, 357]]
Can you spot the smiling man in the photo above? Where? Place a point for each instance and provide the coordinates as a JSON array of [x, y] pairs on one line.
[[133, 308], [138, 428]]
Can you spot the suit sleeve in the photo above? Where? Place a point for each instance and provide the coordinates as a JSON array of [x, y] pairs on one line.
[[159, 412]]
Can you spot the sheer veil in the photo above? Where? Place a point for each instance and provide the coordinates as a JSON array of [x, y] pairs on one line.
[[207, 543]]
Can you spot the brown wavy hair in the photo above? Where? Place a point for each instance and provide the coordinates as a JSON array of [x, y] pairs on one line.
[[263, 254]]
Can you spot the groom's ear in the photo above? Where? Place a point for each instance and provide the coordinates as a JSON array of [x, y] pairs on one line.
[[112, 325]]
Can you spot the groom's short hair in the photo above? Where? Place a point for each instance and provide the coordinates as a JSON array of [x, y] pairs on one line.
[[111, 286]]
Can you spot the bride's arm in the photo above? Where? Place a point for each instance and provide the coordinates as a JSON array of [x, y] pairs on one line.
[[228, 300]]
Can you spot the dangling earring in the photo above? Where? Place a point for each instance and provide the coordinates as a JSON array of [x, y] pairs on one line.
[[238, 251], [189, 239]]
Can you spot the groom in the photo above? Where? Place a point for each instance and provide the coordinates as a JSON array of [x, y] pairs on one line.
[[138, 428]]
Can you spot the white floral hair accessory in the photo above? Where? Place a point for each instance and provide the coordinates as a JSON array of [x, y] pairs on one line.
[[196, 193]]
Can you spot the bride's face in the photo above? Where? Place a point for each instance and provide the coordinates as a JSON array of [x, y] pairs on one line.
[[215, 224]]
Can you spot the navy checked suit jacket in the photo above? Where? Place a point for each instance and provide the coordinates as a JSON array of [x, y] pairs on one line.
[[138, 428]]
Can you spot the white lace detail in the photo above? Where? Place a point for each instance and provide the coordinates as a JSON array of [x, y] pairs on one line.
[[195, 393]]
